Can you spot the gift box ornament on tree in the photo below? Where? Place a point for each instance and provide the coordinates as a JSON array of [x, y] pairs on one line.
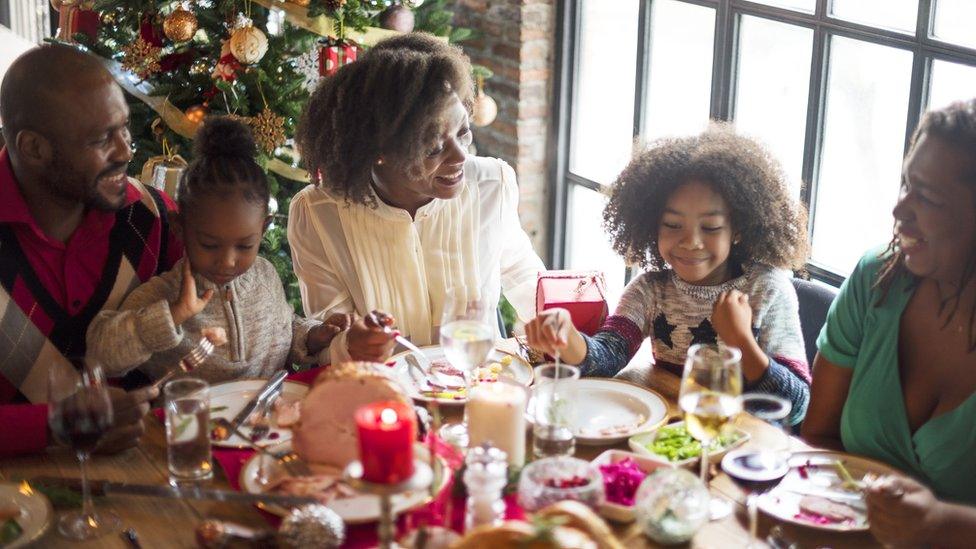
[[163, 171], [74, 17], [582, 293], [334, 53]]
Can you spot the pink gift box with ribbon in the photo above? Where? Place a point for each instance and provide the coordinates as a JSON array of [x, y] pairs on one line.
[[582, 293]]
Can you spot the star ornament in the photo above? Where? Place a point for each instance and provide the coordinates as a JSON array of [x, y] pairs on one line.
[[142, 58], [269, 130]]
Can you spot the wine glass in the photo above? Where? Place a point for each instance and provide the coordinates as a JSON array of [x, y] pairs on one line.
[[711, 395], [759, 468], [79, 414], [467, 337]]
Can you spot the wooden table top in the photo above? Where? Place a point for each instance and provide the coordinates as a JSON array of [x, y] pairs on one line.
[[171, 523]]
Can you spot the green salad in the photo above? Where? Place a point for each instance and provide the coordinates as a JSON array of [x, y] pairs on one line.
[[676, 443]]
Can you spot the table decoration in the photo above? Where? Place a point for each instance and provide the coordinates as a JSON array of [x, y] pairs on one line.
[[672, 504], [386, 433], [354, 474], [618, 486], [550, 480], [496, 415], [485, 475]]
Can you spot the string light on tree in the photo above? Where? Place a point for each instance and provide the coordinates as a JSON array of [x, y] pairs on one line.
[[196, 113]]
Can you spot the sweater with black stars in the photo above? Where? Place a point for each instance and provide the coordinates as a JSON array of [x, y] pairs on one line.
[[676, 315]]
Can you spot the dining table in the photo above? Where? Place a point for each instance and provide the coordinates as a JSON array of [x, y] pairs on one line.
[[172, 522]]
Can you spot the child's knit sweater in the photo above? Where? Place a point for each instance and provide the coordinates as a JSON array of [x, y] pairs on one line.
[[676, 315], [263, 332]]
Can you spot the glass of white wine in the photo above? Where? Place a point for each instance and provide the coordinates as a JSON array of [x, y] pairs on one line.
[[710, 398], [467, 337]]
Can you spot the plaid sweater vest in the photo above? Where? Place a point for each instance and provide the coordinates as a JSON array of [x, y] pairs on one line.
[[36, 331]]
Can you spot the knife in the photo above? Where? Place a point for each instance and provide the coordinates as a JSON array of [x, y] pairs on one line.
[[269, 388], [855, 501], [106, 487]]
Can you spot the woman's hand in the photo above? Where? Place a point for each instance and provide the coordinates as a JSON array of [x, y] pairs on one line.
[[322, 335], [732, 318], [371, 342], [188, 304], [902, 512], [552, 332]]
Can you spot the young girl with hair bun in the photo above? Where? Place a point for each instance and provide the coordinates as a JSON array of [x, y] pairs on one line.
[[221, 283]]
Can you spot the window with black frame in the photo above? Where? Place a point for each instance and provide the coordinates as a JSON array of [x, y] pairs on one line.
[[832, 87]]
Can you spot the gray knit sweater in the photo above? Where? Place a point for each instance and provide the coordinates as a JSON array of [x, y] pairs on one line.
[[263, 332]]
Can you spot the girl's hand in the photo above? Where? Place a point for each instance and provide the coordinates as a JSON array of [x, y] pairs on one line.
[[188, 304], [549, 332], [902, 512], [370, 343], [732, 318]]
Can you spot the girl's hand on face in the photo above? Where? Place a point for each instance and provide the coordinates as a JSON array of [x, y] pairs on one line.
[[732, 318], [902, 512], [189, 303], [370, 343], [549, 332]]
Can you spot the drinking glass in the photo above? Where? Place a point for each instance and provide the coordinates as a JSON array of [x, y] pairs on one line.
[[187, 432], [467, 337], [553, 410], [759, 468], [79, 413], [710, 397]]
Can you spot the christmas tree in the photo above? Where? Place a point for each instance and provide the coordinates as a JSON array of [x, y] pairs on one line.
[[255, 59]]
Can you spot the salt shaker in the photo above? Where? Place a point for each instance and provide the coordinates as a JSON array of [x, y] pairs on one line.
[[485, 476]]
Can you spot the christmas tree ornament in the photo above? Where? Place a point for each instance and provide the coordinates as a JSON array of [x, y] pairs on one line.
[[334, 53], [227, 65], [307, 65], [141, 58], [484, 110], [269, 130], [74, 17], [181, 25], [333, 5], [248, 44], [311, 526], [398, 18], [196, 113]]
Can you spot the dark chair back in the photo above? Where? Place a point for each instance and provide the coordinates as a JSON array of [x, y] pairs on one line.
[[815, 299]]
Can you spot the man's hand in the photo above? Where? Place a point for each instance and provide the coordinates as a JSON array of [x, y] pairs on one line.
[[129, 408]]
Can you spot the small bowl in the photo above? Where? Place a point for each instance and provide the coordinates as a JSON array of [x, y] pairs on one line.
[[639, 443], [616, 511], [534, 493]]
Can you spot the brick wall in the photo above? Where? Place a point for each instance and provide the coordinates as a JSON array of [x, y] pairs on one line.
[[516, 41]]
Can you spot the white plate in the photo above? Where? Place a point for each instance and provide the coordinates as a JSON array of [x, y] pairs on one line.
[[352, 510], [639, 443], [233, 395], [35, 512], [616, 511], [783, 501], [518, 369], [609, 411]]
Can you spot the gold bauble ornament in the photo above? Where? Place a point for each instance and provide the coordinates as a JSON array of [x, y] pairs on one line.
[[269, 130], [142, 58], [300, 3], [196, 113], [248, 44], [181, 25], [484, 110]]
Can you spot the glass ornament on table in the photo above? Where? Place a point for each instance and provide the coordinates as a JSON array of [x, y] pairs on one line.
[[710, 398], [79, 414], [467, 337]]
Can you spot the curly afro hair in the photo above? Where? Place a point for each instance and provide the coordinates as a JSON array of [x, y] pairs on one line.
[[772, 226], [389, 104]]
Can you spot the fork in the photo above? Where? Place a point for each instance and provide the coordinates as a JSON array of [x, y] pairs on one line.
[[290, 460], [263, 426]]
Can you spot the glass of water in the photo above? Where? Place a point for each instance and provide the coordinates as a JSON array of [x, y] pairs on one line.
[[187, 430], [554, 410]]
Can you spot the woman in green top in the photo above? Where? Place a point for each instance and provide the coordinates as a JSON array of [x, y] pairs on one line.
[[895, 378]]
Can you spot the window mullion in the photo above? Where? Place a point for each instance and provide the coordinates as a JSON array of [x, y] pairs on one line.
[[816, 108], [921, 70], [643, 66], [722, 61]]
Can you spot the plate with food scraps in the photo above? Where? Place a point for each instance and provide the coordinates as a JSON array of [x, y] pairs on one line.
[[425, 389], [674, 445], [821, 491], [262, 475], [228, 399], [25, 514], [609, 411]]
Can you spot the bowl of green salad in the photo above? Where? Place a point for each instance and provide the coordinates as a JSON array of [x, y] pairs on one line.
[[674, 445]]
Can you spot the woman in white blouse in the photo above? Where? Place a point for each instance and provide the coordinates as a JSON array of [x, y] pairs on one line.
[[397, 212]]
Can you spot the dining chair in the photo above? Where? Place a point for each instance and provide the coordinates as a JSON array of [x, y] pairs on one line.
[[814, 299]]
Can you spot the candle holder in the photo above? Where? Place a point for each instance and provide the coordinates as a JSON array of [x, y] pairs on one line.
[[421, 479]]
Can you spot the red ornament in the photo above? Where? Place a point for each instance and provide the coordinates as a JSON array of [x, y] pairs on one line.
[[76, 18], [334, 53], [150, 32], [386, 434]]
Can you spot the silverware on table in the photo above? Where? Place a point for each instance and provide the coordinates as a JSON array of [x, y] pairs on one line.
[[191, 361], [263, 426], [429, 377], [264, 394], [105, 487], [130, 536], [294, 464]]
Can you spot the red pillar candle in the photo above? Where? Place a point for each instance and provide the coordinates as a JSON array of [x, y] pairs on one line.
[[386, 434]]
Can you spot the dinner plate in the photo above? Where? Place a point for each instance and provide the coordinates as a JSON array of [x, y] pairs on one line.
[[641, 444], [821, 479], [357, 509], [227, 399], [517, 369], [35, 512], [609, 411]]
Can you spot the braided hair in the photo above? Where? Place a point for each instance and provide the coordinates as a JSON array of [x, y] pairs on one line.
[[223, 164]]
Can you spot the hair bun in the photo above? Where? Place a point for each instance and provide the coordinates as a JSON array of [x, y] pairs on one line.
[[222, 136]]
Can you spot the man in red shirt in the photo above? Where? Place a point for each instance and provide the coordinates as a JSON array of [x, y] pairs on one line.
[[76, 234]]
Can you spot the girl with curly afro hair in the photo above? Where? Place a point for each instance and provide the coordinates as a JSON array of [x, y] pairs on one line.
[[398, 212], [221, 289], [711, 219]]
